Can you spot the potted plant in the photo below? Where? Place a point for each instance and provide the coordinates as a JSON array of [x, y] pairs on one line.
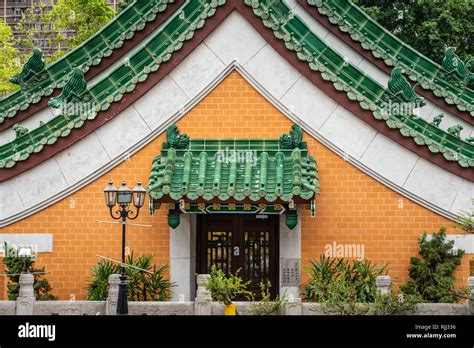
[[225, 288]]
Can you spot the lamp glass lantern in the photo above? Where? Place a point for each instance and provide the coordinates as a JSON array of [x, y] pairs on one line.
[[110, 195], [124, 195], [139, 194]]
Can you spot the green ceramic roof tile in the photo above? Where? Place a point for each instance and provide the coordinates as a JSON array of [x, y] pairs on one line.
[[386, 46], [170, 37], [89, 53], [357, 85], [240, 169], [156, 49]]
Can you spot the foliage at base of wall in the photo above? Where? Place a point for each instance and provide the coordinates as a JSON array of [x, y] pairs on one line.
[[343, 287], [267, 306], [328, 271], [146, 281], [15, 265], [432, 275]]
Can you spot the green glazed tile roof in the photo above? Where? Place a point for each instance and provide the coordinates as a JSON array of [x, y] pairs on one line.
[[384, 45], [358, 86], [170, 37], [91, 52], [157, 48], [265, 170]]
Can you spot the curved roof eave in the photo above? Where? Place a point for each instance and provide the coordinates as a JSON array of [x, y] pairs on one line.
[[21, 104], [327, 86], [448, 100]]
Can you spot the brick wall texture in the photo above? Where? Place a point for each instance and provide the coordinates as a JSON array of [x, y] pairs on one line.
[[353, 208]]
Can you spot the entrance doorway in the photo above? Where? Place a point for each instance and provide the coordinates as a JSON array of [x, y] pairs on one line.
[[240, 241]]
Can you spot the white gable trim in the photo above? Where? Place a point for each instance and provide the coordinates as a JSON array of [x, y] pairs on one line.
[[362, 146]]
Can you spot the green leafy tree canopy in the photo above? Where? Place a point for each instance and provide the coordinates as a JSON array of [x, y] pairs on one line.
[[9, 59], [429, 26]]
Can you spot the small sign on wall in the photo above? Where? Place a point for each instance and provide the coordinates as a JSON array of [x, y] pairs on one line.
[[290, 272], [40, 242]]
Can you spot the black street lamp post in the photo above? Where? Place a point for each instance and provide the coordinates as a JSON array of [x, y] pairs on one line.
[[123, 197]]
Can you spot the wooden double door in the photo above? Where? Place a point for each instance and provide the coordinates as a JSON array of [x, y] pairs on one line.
[[240, 241]]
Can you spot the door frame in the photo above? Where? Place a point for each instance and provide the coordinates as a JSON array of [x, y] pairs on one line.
[[238, 226], [182, 251]]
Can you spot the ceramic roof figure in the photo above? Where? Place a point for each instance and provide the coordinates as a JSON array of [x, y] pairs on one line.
[[33, 67]]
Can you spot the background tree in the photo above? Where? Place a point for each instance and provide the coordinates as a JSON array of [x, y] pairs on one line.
[[123, 5], [9, 59], [428, 26], [34, 29], [79, 19], [15, 265], [69, 23], [432, 275]]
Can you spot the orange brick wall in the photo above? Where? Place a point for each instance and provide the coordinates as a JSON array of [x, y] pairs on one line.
[[352, 208]]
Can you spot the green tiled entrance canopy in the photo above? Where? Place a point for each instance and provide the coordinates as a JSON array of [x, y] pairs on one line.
[[239, 170]]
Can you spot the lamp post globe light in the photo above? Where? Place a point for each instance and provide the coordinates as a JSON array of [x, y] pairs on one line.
[[122, 197]]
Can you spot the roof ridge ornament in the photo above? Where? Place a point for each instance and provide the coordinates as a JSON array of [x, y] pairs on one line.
[[292, 140], [176, 140], [33, 68], [20, 130], [398, 85], [74, 88], [454, 66]]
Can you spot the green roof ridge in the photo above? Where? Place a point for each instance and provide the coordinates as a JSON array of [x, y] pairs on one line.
[[357, 85], [429, 74], [157, 49], [180, 27], [88, 53], [239, 169]]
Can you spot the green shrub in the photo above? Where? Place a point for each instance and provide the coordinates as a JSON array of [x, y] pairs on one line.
[[266, 306], [15, 265], [360, 275], [395, 304], [142, 286], [342, 299], [432, 275], [225, 288]]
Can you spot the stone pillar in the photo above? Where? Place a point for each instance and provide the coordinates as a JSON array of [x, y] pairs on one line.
[[383, 285], [203, 300], [183, 258], [26, 299], [470, 302], [290, 260], [112, 295]]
